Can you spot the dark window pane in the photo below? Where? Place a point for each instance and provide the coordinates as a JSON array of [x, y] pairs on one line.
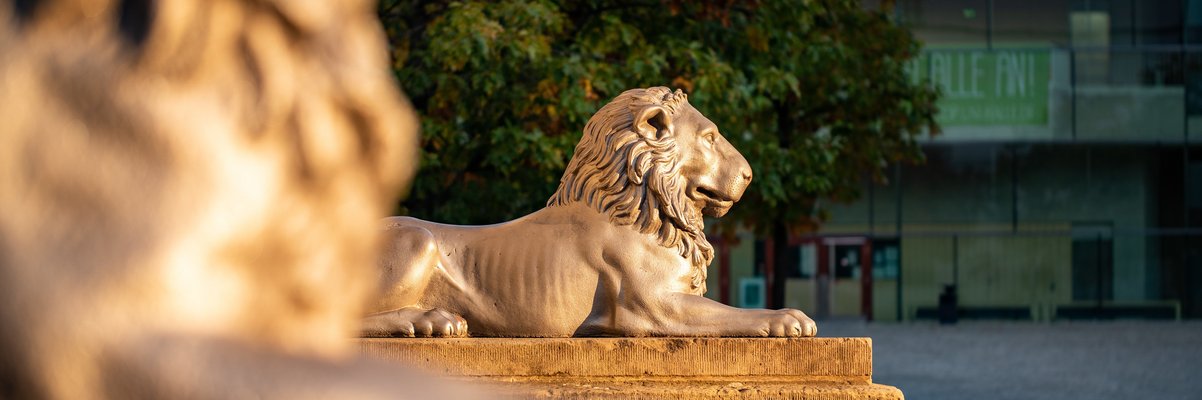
[[847, 261], [1093, 266], [1112, 19], [885, 259], [947, 22], [1031, 22], [1192, 75], [807, 265], [752, 293], [1193, 21], [1158, 22], [979, 175], [1138, 22], [791, 256]]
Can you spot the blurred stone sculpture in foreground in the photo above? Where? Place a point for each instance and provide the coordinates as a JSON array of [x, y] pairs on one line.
[[188, 190], [619, 250]]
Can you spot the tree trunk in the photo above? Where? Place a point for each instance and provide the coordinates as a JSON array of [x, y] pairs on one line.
[[784, 261], [786, 125]]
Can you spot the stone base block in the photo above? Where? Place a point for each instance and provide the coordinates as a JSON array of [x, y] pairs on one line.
[[676, 368]]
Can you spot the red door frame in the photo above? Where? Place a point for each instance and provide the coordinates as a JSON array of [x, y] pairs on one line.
[[823, 270], [823, 261]]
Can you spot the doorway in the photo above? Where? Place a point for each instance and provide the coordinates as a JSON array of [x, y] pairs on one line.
[[843, 283]]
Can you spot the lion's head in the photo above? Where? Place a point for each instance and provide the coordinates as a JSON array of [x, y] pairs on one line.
[[651, 160]]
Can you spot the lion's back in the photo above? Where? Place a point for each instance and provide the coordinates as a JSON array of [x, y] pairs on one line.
[[534, 276]]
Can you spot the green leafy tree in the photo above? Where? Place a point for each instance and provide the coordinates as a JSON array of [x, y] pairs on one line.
[[815, 94]]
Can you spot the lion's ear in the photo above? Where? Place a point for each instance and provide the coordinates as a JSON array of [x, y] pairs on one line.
[[653, 123]]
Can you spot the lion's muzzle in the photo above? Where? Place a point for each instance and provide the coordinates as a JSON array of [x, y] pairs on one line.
[[717, 199]]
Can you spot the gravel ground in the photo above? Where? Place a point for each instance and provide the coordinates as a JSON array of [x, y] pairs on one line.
[[1012, 360]]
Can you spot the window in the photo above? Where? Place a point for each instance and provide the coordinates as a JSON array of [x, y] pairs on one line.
[[886, 258], [947, 22], [809, 259], [847, 261], [1031, 22], [1093, 262]]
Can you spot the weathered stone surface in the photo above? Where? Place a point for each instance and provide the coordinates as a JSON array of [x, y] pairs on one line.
[[682, 388], [678, 368]]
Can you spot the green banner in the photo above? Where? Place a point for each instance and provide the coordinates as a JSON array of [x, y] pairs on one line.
[[988, 87]]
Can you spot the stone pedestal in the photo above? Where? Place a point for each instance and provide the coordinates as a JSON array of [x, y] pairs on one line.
[[675, 368]]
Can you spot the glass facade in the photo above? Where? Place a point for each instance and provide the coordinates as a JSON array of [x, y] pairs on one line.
[[1067, 181]]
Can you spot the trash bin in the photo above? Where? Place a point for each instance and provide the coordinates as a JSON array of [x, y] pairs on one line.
[[947, 305]]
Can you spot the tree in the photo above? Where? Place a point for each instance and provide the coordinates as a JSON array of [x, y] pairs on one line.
[[815, 93]]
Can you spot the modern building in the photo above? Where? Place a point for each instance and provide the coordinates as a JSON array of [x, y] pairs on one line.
[[1067, 181]]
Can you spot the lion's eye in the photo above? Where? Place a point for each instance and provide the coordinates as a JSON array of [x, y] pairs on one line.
[[710, 137]]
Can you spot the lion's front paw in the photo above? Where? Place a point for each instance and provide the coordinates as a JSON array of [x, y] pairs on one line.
[[788, 323], [415, 322]]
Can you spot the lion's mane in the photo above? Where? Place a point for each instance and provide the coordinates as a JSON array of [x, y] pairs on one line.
[[636, 180]]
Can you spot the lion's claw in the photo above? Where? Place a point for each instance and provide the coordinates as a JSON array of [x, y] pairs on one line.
[[788, 323]]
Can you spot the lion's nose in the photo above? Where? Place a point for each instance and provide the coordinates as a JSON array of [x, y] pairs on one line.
[[743, 168]]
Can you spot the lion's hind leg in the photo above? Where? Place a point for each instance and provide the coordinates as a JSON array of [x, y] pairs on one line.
[[410, 259]]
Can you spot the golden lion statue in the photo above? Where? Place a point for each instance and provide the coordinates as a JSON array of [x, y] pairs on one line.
[[620, 248], [188, 190]]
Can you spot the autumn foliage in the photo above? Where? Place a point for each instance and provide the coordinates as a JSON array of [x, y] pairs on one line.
[[814, 93]]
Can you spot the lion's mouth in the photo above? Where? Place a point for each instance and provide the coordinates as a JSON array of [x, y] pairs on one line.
[[711, 202]]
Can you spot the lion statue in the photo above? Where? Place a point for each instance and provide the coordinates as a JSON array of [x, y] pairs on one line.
[[620, 249], [188, 190]]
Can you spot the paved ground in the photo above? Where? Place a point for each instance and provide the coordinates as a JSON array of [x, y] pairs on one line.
[[1009, 360]]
